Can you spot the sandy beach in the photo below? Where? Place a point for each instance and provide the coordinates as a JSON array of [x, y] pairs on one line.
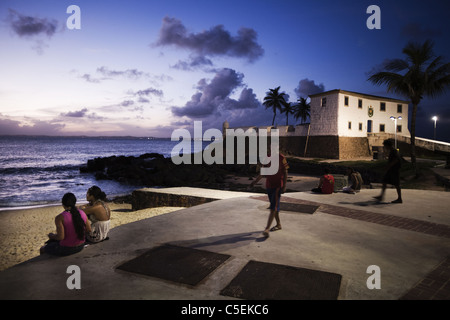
[[24, 231]]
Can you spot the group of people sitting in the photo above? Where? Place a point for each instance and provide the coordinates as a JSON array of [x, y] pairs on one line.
[[78, 226], [326, 182]]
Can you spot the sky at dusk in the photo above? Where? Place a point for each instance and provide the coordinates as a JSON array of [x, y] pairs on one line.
[[145, 68]]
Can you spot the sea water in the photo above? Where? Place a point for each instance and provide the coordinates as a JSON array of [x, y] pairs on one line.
[[39, 170]]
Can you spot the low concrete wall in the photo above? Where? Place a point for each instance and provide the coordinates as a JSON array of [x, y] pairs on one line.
[[142, 199]]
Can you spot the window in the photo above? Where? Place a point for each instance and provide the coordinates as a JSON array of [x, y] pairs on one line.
[[359, 103], [360, 126], [399, 108], [324, 102], [382, 106], [381, 127], [399, 128], [346, 101], [350, 125]]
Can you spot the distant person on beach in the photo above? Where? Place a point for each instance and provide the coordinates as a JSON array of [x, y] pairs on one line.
[[326, 183], [72, 226], [392, 174], [98, 213], [275, 186], [356, 181]]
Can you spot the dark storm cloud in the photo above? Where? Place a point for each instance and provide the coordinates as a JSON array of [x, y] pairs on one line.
[[213, 42], [214, 96], [247, 100], [307, 87], [28, 26]]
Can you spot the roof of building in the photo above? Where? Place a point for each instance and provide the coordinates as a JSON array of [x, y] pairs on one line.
[[363, 95]]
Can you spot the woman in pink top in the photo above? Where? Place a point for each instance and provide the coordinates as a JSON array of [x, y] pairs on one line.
[[71, 228]]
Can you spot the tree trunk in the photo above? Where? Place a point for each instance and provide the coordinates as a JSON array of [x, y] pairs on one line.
[[274, 115], [413, 140]]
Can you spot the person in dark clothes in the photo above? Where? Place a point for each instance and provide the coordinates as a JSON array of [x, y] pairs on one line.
[[392, 175]]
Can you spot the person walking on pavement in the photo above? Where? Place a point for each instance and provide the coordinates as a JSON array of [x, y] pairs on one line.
[[392, 174], [275, 186]]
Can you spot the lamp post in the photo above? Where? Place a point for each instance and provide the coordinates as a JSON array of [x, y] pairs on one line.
[[435, 119], [395, 128]]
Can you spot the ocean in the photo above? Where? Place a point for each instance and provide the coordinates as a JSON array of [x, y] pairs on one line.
[[36, 171]]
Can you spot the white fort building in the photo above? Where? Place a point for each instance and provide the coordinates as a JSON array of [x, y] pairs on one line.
[[344, 125]]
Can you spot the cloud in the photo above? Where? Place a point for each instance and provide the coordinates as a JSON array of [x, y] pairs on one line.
[[75, 114], [104, 73], [38, 127], [89, 78], [148, 92], [32, 28], [213, 42], [128, 73], [307, 87], [193, 63], [213, 97], [28, 26]]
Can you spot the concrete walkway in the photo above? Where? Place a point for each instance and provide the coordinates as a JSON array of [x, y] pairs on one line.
[[409, 242]]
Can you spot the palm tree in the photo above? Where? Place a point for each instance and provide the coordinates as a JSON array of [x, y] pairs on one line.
[[302, 110], [421, 73], [288, 109], [274, 100]]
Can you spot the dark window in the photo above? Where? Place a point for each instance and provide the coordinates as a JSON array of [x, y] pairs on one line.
[[360, 126], [399, 128], [359, 103], [399, 108], [324, 102], [346, 101], [349, 125], [382, 106], [381, 127]]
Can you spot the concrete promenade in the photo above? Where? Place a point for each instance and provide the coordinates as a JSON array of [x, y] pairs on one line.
[[409, 242]]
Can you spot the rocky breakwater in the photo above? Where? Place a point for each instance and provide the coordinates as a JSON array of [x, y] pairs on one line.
[[154, 170]]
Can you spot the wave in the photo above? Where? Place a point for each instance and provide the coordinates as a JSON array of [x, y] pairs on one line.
[[34, 170]]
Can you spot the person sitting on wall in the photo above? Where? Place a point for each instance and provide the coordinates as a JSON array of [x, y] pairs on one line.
[[356, 181], [326, 183]]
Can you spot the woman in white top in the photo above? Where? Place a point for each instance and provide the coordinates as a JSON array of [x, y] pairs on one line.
[[98, 213]]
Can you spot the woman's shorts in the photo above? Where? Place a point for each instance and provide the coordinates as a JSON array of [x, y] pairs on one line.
[[53, 248], [274, 195]]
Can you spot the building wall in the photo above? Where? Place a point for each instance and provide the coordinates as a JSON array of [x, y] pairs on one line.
[[357, 113], [324, 119], [351, 119]]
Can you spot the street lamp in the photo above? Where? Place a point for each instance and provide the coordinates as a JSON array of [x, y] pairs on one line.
[[435, 119], [395, 128]]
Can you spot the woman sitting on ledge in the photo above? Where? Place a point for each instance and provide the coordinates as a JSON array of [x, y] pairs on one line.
[[98, 213]]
